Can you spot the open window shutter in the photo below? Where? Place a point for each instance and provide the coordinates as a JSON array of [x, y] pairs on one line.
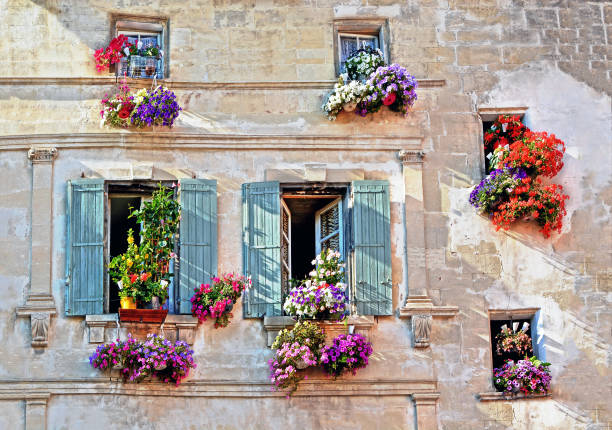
[[85, 247], [372, 247], [261, 248], [197, 238]]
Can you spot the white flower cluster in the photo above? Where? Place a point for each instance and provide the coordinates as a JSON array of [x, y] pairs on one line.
[[308, 299], [344, 96], [364, 63]]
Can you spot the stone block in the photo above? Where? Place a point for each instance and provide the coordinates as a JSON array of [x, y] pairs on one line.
[[474, 55]]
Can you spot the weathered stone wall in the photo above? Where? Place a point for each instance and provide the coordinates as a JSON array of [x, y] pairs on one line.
[[550, 56]]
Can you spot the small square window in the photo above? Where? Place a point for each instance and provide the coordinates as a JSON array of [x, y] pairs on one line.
[[353, 34], [488, 116], [150, 36]]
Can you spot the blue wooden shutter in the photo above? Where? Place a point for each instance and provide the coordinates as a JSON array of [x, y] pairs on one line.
[[197, 238], [85, 247], [372, 246], [261, 248]]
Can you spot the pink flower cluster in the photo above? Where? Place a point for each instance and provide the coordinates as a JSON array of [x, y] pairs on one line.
[[284, 366], [156, 357], [217, 300], [527, 376]]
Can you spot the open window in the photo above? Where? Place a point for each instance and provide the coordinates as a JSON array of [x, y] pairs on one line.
[[353, 34], [285, 227], [488, 117], [149, 36], [514, 336], [97, 225]]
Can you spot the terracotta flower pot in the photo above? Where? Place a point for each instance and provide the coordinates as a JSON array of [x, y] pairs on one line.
[[349, 107]]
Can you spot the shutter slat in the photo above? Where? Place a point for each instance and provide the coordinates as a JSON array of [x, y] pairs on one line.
[[85, 247], [372, 244], [197, 238], [261, 248]]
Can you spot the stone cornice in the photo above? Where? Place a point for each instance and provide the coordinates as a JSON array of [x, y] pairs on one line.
[[319, 387], [180, 140], [187, 85]]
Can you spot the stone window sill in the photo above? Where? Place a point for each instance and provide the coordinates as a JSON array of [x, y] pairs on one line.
[[107, 327], [491, 396], [361, 324]]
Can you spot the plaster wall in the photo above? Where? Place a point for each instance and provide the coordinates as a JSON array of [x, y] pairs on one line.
[[552, 57]]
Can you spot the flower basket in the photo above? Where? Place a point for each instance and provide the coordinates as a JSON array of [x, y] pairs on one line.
[[156, 316]]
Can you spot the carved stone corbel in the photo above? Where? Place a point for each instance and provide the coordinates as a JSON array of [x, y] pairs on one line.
[[40, 312], [421, 311], [408, 156]]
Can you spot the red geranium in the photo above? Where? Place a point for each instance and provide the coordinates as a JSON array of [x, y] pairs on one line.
[[537, 153], [124, 113], [505, 130], [111, 54]]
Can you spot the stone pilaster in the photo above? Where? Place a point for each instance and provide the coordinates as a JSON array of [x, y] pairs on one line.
[[40, 305], [36, 411], [426, 410]]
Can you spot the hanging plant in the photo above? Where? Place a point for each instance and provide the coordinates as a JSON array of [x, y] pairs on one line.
[[217, 300], [510, 340], [363, 62]]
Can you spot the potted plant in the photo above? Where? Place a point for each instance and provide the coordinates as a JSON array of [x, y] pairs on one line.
[[323, 295], [363, 62], [217, 300], [496, 187], [296, 350], [347, 353], [529, 376], [112, 54], [346, 95], [391, 86], [142, 272]]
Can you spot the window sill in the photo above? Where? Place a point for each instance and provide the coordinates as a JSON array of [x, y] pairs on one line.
[[107, 327], [491, 396], [361, 324]]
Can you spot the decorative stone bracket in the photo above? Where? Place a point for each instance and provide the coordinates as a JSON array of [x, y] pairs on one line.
[[360, 324], [39, 308], [421, 310], [106, 328]]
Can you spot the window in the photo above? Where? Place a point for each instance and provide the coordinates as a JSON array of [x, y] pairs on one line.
[[521, 322], [97, 227], [353, 34], [488, 116], [284, 227], [151, 35]]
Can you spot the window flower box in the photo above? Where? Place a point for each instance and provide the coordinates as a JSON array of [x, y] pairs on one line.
[[157, 316]]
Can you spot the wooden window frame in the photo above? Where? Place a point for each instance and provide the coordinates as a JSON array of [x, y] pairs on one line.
[[142, 25], [368, 26]]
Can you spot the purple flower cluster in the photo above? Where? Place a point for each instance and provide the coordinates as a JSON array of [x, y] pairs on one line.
[[494, 187], [159, 107], [526, 376], [348, 352], [156, 356], [386, 83]]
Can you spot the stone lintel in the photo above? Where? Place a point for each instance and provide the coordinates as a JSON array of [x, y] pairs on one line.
[[491, 113]]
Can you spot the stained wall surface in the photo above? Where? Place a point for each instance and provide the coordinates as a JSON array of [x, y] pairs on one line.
[[251, 77]]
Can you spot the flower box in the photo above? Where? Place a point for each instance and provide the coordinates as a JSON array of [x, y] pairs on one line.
[[143, 315]]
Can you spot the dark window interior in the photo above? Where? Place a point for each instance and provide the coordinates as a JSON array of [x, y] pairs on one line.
[[486, 125], [496, 325], [303, 232], [120, 209]]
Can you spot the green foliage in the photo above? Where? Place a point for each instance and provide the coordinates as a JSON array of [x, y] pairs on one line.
[[304, 333]]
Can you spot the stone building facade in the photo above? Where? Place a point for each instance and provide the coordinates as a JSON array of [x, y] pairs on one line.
[[251, 76]]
